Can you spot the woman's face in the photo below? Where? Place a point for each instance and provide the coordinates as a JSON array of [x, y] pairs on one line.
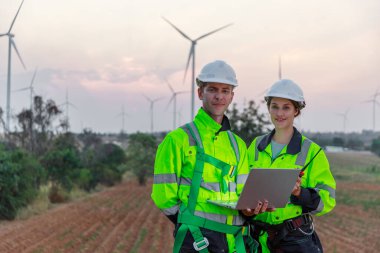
[[282, 113]]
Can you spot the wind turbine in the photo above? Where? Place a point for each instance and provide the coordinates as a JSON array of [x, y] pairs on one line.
[[192, 57], [374, 103], [10, 45], [122, 115], [174, 99], [344, 116], [31, 88], [67, 104], [152, 101]]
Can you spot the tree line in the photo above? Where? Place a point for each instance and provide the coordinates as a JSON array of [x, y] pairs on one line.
[[41, 151]]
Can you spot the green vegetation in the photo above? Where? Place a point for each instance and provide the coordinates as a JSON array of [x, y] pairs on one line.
[[357, 179], [248, 123], [140, 155], [41, 153], [139, 240], [355, 166]]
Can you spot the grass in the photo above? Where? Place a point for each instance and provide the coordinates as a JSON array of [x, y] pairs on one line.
[[356, 168], [42, 203], [139, 240]]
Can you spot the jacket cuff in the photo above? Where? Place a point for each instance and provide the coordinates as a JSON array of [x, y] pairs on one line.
[[308, 199]]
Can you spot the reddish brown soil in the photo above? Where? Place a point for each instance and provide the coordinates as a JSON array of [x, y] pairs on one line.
[[120, 219], [124, 219]]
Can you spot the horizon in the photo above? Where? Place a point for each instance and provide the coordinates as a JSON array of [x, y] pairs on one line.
[[107, 55]]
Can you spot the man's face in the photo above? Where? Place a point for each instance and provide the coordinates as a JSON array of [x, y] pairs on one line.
[[216, 97]]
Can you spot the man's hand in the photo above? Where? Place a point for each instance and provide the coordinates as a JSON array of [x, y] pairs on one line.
[[260, 208]]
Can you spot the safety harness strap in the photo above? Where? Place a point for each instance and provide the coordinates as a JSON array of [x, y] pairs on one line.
[[196, 182], [192, 223]]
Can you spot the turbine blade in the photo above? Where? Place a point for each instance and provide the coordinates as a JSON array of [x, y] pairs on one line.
[[188, 60], [22, 89], [171, 99], [170, 87], [18, 54], [214, 31], [182, 92], [147, 98], [14, 19], [157, 99], [73, 105], [178, 30], [34, 76]]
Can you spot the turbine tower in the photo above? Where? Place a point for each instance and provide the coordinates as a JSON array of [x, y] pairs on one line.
[[344, 116], [122, 115], [11, 44], [31, 88], [192, 58], [374, 103], [67, 104], [152, 101], [174, 100]]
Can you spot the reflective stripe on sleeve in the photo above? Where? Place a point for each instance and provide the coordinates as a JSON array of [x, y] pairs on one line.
[[171, 211], [326, 188], [319, 207], [165, 178]]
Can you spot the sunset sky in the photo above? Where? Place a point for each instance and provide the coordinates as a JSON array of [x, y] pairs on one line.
[[109, 54]]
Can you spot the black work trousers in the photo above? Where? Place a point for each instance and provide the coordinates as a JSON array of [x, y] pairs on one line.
[[217, 240]]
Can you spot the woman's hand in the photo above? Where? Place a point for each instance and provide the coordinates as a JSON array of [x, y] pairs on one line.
[[297, 188], [260, 208]]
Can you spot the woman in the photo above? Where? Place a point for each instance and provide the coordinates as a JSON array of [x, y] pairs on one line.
[[291, 229]]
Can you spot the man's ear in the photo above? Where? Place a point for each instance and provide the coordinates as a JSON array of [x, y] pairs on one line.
[[200, 93]]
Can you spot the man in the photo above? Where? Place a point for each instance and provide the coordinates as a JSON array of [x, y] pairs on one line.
[[201, 161]]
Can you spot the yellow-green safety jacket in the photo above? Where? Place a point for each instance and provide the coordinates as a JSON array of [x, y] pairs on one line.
[[221, 159], [318, 185]]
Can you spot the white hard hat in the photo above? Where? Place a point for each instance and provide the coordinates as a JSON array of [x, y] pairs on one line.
[[286, 89], [217, 72]]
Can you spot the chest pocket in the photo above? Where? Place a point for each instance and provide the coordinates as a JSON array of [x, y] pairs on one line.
[[213, 169]]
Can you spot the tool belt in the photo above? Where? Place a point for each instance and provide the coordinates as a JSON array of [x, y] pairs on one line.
[[279, 231]]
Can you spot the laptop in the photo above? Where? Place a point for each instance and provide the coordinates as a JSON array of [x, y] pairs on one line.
[[274, 185]]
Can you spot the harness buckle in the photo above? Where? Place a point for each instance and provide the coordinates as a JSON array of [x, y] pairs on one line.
[[198, 246], [289, 225]]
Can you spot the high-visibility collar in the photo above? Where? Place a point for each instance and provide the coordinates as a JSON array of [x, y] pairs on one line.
[[203, 120], [294, 146]]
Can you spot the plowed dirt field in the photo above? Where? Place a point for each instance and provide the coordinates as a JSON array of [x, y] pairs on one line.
[[124, 219], [120, 219]]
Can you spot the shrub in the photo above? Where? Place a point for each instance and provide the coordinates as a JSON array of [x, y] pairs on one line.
[[140, 155], [20, 177]]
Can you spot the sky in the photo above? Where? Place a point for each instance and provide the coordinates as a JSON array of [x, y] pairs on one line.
[[112, 54]]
